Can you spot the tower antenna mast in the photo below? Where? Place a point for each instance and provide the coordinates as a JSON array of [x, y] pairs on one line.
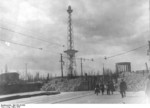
[[70, 51]]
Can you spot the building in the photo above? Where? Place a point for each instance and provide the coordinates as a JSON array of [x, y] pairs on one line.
[[123, 67], [9, 78]]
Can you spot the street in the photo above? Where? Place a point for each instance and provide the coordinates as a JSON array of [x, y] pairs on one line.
[[84, 97]]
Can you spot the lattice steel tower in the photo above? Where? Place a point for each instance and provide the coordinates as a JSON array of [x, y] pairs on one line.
[[70, 44]]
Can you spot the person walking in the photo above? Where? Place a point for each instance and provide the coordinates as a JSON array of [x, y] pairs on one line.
[[108, 88], [112, 88], [102, 88], [123, 88], [147, 90], [97, 89]]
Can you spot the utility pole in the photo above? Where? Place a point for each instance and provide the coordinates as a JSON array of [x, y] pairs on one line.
[[103, 72], [146, 68], [81, 67], [26, 66], [149, 47], [148, 51], [61, 61], [6, 69], [103, 69], [83, 59]]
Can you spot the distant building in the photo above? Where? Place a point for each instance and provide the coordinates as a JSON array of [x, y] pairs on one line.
[[9, 78], [142, 72], [123, 67]]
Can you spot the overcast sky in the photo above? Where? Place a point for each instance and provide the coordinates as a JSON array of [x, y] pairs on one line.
[[100, 28]]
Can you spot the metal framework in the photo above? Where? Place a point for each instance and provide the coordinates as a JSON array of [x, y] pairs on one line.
[[70, 51]]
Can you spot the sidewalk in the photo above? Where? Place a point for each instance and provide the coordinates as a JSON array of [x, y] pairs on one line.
[[26, 95], [131, 97]]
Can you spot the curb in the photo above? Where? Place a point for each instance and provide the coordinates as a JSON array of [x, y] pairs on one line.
[[27, 96]]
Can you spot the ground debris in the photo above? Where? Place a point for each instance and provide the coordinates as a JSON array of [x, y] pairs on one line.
[[135, 82], [64, 85]]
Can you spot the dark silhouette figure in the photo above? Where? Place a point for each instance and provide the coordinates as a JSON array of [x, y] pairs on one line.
[[102, 88], [97, 89], [112, 88], [108, 88], [147, 90], [123, 88]]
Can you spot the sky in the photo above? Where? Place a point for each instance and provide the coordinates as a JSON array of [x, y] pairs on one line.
[[101, 28]]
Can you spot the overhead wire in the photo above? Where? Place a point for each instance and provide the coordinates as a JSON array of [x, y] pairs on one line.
[[27, 46], [24, 45], [32, 32], [29, 36], [24, 28], [125, 52], [79, 58], [21, 44]]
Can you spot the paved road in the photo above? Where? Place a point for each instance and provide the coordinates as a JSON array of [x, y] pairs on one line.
[[83, 97]]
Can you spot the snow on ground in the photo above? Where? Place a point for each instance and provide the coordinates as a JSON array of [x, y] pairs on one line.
[[63, 84], [135, 81]]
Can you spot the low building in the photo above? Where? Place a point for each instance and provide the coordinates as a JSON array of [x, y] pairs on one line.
[[142, 71], [9, 78], [123, 67]]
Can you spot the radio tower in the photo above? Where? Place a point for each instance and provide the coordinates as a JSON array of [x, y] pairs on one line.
[[70, 44]]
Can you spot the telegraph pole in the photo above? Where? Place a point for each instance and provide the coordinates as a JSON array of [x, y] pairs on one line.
[[6, 69], [61, 61], [83, 59], [26, 65], [103, 72], [81, 67], [148, 51]]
